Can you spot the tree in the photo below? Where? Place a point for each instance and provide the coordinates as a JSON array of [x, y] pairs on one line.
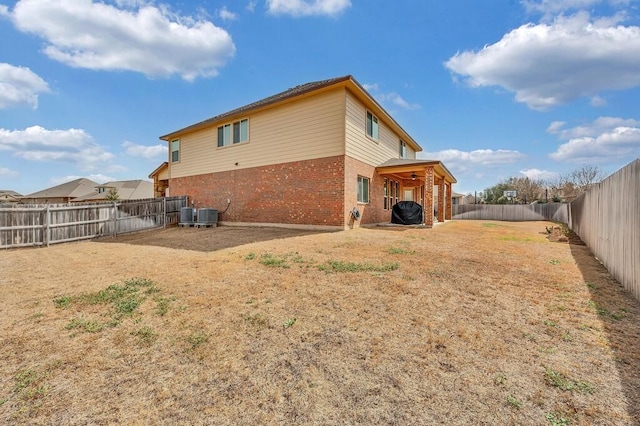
[[527, 190], [569, 186], [113, 195]]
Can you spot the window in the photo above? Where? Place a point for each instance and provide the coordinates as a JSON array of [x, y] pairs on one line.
[[372, 126], [363, 189], [403, 149], [391, 193], [175, 150], [386, 194], [235, 132]]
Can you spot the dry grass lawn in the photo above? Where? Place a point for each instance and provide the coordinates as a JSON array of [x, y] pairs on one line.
[[471, 322]]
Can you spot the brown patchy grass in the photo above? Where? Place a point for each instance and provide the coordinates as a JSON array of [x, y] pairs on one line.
[[468, 323]]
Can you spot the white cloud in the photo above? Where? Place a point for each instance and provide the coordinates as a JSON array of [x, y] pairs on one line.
[[144, 151], [606, 140], [226, 15], [554, 7], [597, 101], [146, 39], [389, 97], [307, 7], [20, 85], [536, 174], [549, 64], [73, 146], [6, 172], [251, 6], [98, 178], [467, 162]]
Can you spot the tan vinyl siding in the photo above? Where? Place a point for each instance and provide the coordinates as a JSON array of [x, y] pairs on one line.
[[303, 130], [361, 147]]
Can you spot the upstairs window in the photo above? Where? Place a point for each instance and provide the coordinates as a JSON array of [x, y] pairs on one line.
[[175, 150], [403, 149], [363, 189], [372, 126], [232, 133]]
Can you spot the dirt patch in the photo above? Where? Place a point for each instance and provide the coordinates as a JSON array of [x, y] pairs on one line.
[[206, 239], [471, 322]]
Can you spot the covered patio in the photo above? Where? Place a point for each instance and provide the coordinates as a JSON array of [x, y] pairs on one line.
[[427, 182]]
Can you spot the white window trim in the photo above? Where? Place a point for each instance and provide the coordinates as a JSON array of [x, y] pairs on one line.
[[374, 118], [171, 151], [368, 199], [230, 125]]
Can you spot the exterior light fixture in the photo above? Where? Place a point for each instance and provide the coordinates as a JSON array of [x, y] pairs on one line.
[[413, 176]]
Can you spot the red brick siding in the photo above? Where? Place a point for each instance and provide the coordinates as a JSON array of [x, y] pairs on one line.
[[370, 213], [428, 202], [307, 192]]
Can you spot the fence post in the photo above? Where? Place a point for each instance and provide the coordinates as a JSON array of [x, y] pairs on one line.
[[115, 220], [164, 212], [47, 224]]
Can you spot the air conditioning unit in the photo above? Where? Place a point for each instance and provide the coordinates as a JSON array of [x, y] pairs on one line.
[[208, 217], [186, 215]]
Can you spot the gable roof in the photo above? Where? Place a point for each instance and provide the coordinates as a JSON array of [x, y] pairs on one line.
[[297, 92], [72, 189], [159, 169], [127, 190]]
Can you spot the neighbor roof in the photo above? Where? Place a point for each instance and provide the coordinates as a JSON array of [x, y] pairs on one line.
[[72, 189], [127, 190], [297, 91]]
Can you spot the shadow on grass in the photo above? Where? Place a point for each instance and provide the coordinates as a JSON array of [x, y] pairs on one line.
[[619, 312], [206, 239]]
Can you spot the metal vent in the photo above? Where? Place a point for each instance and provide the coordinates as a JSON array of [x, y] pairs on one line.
[[208, 216], [186, 215]]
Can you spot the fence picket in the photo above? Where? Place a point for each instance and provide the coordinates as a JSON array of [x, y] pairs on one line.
[[37, 225]]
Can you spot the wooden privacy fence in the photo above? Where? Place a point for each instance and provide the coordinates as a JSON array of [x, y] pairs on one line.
[[557, 212], [607, 219], [38, 225]]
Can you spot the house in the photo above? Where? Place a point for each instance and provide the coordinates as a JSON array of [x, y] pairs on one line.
[[322, 155], [457, 198], [63, 193], [8, 196], [160, 177], [123, 189]]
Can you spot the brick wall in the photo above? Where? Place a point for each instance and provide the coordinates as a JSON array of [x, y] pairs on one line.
[[370, 213], [307, 192]]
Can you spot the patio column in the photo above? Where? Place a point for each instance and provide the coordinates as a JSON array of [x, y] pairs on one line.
[[441, 202], [428, 197], [447, 211]]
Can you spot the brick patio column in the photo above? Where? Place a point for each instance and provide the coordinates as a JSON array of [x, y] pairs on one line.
[[447, 212], [441, 202], [428, 197]]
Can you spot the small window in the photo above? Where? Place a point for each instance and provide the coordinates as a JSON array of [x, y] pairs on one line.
[[386, 194], [236, 132], [363, 189], [372, 126], [403, 149], [175, 151]]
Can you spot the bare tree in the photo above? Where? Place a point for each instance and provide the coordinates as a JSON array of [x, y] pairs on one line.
[[586, 176], [568, 187]]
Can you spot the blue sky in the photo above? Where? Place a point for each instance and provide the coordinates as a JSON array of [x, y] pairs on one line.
[[493, 88]]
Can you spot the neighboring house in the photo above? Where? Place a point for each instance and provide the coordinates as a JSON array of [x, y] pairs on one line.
[[125, 190], [306, 157], [160, 178], [457, 198], [8, 196], [63, 193]]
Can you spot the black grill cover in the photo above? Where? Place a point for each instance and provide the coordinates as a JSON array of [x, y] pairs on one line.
[[407, 213]]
